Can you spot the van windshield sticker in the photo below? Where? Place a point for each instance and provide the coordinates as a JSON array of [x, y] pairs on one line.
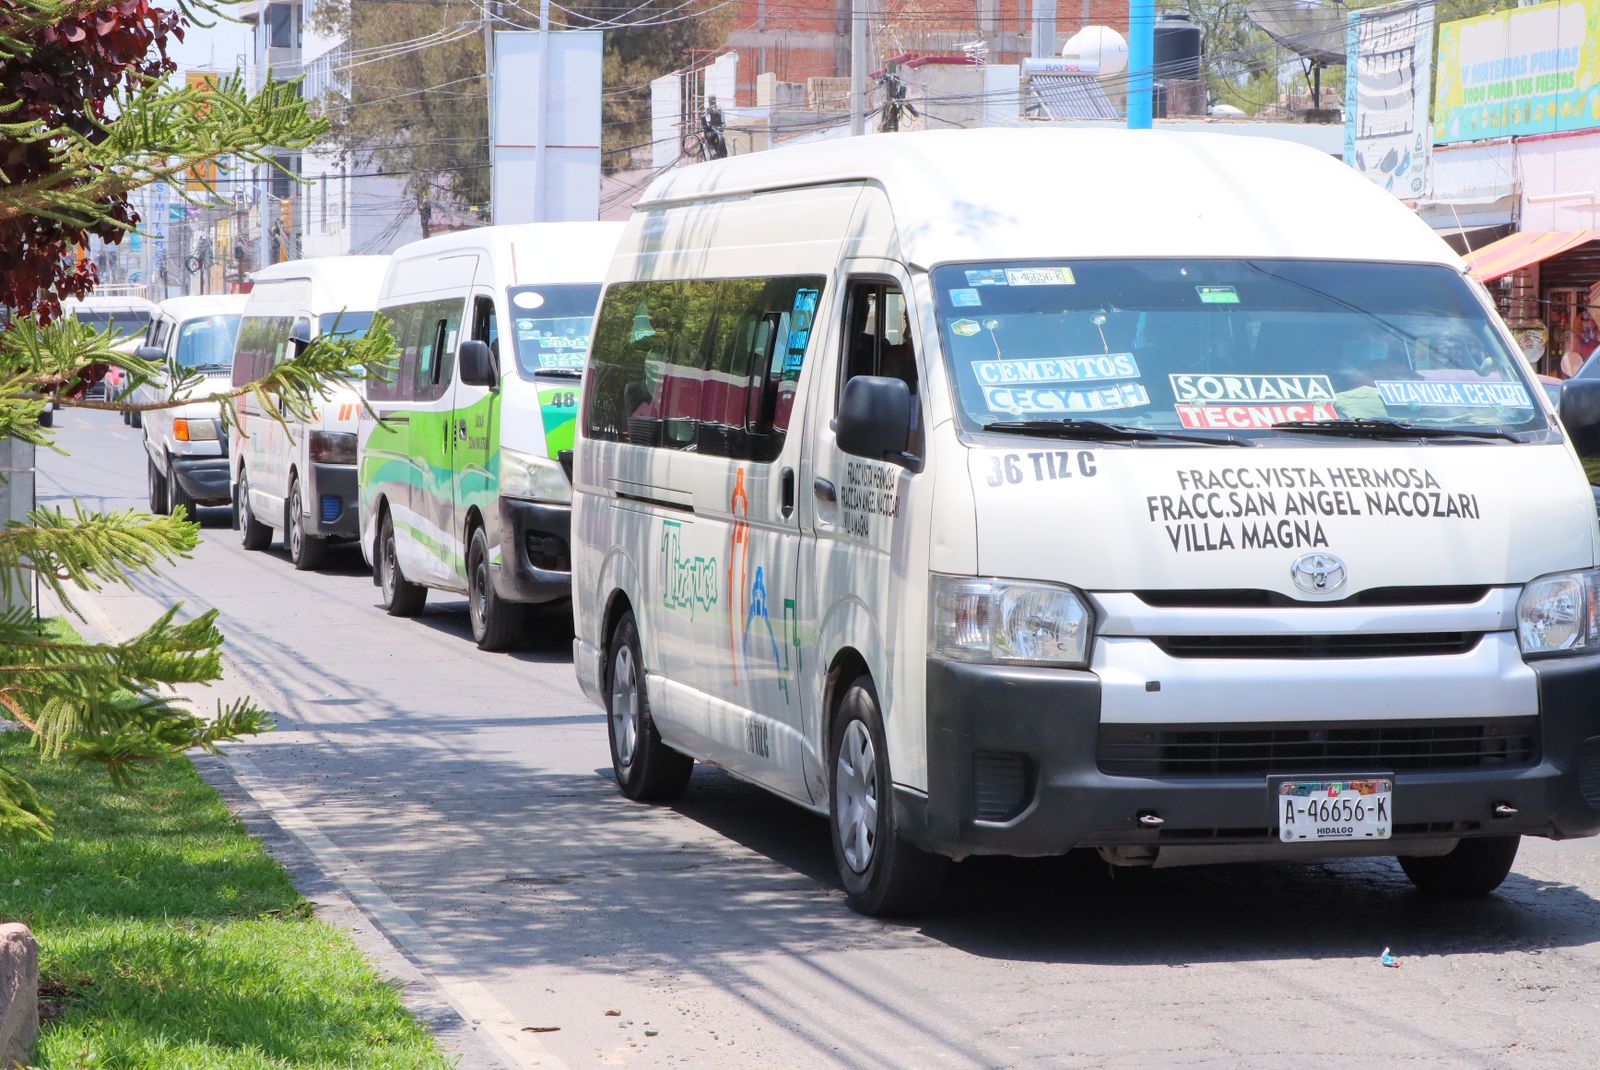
[[528, 299], [1025, 400], [1040, 276], [1056, 369], [1188, 388], [986, 277], [965, 328], [965, 298], [1454, 395], [1217, 295]]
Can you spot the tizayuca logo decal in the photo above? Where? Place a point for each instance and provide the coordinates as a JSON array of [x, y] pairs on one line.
[[690, 581]]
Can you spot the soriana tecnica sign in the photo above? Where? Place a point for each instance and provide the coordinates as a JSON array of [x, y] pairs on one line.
[[1534, 70]]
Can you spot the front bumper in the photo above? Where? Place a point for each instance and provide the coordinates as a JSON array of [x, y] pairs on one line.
[[203, 479], [1012, 769], [535, 552], [331, 498]]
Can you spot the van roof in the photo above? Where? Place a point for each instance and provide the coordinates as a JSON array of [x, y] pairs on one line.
[[1038, 193], [336, 281], [108, 303], [529, 253], [185, 308]]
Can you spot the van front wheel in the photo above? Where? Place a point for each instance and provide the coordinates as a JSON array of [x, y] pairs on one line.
[[495, 623], [1476, 867], [883, 875], [646, 768], [253, 534]]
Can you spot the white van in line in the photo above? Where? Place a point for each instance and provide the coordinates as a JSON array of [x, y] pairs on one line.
[[122, 309], [992, 492], [461, 484], [299, 477], [186, 447]]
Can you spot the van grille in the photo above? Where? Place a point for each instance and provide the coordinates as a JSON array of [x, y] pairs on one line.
[[1377, 747], [1252, 599], [1397, 645]]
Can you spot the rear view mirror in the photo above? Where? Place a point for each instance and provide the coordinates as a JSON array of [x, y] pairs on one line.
[[477, 363], [154, 354], [300, 336], [1580, 415], [875, 419]]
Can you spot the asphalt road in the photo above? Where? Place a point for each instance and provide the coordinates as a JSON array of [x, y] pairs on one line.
[[466, 801]]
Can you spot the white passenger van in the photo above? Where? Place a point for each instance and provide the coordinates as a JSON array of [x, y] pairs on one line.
[[992, 492], [462, 487], [186, 446], [299, 476]]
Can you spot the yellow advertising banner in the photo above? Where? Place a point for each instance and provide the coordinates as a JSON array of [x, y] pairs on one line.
[[1533, 70]]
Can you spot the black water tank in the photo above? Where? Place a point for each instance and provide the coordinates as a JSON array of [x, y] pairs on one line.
[[1177, 48], [1179, 88]]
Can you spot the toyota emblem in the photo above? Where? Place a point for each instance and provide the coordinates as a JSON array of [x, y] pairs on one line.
[[1319, 573]]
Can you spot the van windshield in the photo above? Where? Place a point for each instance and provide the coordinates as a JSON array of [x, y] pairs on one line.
[[124, 322], [1226, 345], [206, 344], [552, 325]]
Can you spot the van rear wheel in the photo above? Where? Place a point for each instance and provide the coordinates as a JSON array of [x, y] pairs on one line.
[[883, 875], [1476, 867], [306, 551], [496, 623], [401, 597], [158, 488], [646, 768]]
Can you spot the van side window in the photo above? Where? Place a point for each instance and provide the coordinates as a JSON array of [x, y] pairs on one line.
[[486, 326], [392, 381], [427, 333], [878, 336], [263, 341], [705, 365]]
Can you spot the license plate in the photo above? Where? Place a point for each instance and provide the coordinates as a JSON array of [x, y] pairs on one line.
[[1334, 810]]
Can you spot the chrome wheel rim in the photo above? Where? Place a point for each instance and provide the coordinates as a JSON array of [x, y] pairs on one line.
[[855, 797], [479, 601], [624, 706], [296, 533], [242, 511], [388, 566]]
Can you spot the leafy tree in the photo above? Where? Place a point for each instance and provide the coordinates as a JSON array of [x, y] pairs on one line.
[[85, 118]]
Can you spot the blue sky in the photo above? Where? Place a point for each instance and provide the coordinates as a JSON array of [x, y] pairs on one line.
[[216, 48]]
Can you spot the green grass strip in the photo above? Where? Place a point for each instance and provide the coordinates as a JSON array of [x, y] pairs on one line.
[[169, 938]]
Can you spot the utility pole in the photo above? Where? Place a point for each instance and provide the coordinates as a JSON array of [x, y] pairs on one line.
[[265, 214], [1044, 29], [858, 67], [1141, 62], [540, 179], [488, 84]]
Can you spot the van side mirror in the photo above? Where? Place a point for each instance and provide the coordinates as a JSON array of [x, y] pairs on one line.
[[874, 420], [1580, 415], [300, 336], [154, 354], [477, 363]]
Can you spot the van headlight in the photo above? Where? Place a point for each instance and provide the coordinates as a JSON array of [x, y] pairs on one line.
[[332, 447], [536, 478], [1560, 614], [1009, 622]]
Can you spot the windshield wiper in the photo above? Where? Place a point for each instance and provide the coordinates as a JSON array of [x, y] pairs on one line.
[[560, 373], [1367, 427], [1091, 429]]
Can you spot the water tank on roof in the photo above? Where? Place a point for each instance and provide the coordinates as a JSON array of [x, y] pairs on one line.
[[1102, 45], [1179, 83]]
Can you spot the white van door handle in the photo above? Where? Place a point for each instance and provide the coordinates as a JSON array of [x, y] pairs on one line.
[[825, 490]]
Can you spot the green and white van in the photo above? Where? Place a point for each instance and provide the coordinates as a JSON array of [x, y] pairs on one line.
[[461, 483]]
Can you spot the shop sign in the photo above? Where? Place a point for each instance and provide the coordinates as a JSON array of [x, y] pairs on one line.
[[1535, 70], [1386, 134]]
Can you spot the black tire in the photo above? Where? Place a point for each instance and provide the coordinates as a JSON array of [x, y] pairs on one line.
[[496, 623], [158, 488], [646, 768], [134, 419], [253, 534], [401, 597], [1475, 868], [882, 874], [177, 496], [47, 418], [306, 551]]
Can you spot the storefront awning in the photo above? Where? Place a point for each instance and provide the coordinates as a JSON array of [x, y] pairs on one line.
[[1519, 250]]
